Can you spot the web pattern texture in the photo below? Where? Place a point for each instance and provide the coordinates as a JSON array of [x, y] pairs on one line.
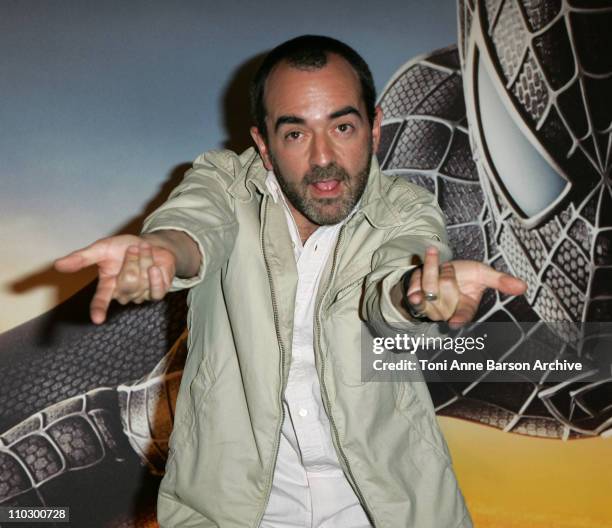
[[425, 139]]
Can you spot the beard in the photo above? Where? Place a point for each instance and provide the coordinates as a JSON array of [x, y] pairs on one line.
[[325, 211]]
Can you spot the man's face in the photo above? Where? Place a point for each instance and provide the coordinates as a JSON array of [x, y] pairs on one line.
[[320, 141]]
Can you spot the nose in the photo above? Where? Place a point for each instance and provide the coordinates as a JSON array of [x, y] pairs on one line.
[[321, 151]]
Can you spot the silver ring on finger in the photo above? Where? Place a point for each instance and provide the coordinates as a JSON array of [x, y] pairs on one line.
[[430, 296]]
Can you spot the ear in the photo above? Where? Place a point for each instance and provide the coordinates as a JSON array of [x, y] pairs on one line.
[[378, 117], [262, 147]]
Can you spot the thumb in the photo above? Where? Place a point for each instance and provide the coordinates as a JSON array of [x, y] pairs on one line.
[[511, 285], [503, 282]]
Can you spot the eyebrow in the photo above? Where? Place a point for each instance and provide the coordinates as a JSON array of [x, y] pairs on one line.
[[288, 119], [347, 110], [295, 120]]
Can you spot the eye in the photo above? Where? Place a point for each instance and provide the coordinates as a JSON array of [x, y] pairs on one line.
[[344, 128], [293, 135], [528, 180]]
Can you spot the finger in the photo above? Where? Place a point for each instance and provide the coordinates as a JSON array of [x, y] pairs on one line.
[[503, 282], [145, 262], [511, 285], [429, 280], [417, 300], [449, 294], [421, 306], [79, 259], [146, 258], [101, 300], [128, 280], [157, 285], [166, 276], [140, 298]]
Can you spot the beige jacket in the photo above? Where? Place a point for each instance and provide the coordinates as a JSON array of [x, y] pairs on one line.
[[229, 409]]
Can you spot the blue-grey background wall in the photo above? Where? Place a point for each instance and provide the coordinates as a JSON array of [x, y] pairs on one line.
[[103, 102]]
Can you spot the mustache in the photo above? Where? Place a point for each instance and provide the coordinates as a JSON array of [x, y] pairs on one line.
[[332, 171]]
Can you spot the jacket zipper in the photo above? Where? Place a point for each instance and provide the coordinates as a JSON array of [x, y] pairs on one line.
[[324, 388], [282, 372]]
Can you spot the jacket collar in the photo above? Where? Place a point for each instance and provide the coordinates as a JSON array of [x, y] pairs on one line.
[[374, 203], [252, 173]]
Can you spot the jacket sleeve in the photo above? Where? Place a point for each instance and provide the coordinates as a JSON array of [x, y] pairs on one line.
[[201, 207], [422, 226]]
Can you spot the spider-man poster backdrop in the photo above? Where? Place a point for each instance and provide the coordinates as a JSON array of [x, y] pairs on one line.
[[499, 107]]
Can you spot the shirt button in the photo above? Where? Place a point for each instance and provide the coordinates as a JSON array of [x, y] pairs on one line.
[[302, 412]]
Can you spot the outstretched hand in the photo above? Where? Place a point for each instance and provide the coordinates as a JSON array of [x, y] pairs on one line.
[[130, 269], [452, 292]]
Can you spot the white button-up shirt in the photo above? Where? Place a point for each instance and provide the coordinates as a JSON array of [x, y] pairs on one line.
[[309, 488]]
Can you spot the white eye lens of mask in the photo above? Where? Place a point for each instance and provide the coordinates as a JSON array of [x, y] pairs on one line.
[[528, 178]]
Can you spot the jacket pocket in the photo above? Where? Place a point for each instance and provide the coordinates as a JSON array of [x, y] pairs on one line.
[[199, 389], [190, 405], [348, 286], [422, 420], [342, 327]]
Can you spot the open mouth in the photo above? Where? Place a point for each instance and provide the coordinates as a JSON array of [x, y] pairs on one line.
[[327, 188]]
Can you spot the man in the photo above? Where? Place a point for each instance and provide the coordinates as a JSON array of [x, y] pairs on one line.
[[289, 253]]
